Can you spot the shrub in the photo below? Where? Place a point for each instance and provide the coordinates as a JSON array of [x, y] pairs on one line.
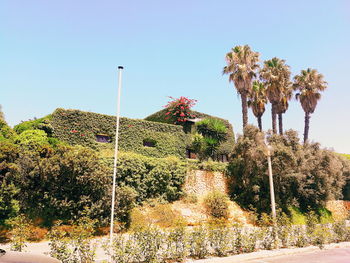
[[198, 242], [19, 232], [216, 204], [177, 244], [74, 246], [150, 177], [219, 237], [32, 139], [125, 200], [297, 217], [149, 241]]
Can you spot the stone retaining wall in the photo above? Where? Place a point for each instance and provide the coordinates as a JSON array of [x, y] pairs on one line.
[[200, 182]]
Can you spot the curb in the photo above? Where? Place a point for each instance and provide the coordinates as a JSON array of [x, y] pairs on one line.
[[268, 254]]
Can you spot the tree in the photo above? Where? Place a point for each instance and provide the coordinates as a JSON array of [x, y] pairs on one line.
[[257, 101], [304, 175], [242, 65], [309, 84], [276, 75], [283, 105]]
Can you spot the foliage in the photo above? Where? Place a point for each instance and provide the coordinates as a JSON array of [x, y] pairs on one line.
[[297, 217], [212, 132], [61, 182], [179, 109], [149, 241], [150, 177], [9, 206], [224, 148], [36, 124], [218, 238], [19, 232], [304, 175], [74, 246], [125, 200], [199, 243], [32, 139], [216, 204], [78, 127]]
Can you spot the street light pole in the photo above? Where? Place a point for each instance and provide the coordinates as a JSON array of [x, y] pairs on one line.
[[272, 191], [120, 68]]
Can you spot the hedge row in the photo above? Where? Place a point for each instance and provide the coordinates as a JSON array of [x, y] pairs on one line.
[[78, 127]]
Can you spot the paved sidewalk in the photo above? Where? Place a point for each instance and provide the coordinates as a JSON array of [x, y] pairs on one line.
[[268, 254]]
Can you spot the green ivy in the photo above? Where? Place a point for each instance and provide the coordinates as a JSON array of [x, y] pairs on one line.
[[78, 127]]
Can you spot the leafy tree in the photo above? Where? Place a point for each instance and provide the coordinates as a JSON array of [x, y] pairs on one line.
[[309, 84], [304, 175], [242, 64], [257, 101], [276, 75]]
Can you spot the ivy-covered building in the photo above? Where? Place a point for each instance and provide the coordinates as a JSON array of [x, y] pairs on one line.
[[154, 136]]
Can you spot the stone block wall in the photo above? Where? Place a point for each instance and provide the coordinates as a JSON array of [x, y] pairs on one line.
[[200, 183]]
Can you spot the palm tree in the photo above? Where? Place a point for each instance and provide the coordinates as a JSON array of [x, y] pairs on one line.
[[257, 101], [242, 64], [276, 75], [309, 84], [283, 105]]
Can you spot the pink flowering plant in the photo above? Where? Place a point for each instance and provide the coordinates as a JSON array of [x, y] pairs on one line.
[[179, 109]]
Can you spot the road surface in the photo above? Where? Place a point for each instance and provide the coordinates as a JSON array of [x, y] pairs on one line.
[[334, 255]]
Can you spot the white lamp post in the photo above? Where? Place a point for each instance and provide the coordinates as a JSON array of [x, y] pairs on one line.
[[120, 68], [272, 191]]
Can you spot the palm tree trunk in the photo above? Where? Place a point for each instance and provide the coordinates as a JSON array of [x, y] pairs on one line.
[[280, 123], [259, 123], [273, 113], [244, 109], [306, 127]]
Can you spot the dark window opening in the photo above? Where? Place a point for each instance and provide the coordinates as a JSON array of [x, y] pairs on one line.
[[103, 138], [190, 154], [149, 143]]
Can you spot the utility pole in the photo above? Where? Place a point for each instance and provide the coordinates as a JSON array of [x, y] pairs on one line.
[[120, 68]]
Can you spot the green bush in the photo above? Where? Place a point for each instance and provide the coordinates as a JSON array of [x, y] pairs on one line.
[[216, 204], [32, 139], [37, 124], [150, 177]]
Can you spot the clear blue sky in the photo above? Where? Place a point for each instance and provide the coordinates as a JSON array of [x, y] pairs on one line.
[[65, 53]]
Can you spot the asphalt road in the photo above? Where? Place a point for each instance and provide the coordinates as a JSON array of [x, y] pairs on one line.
[[334, 255]]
